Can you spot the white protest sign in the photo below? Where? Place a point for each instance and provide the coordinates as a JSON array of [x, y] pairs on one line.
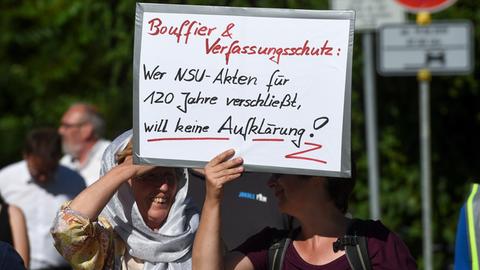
[[273, 84]]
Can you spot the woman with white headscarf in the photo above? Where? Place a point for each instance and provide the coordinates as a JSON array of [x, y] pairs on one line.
[[133, 217]]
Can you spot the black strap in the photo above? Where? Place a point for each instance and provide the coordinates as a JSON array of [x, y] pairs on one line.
[[355, 245], [276, 251], [363, 248], [5, 229], [357, 255]]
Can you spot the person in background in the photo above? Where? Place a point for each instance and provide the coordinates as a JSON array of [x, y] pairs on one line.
[[318, 204], [133, 217], [13, 230], [39, 186], [82, 128], [467, 240], [9, 258]]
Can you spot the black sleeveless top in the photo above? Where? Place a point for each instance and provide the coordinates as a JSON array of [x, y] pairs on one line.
[[5, 230]]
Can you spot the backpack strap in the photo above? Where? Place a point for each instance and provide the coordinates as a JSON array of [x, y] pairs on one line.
[[276, 253], [355, 245], [278, 248]]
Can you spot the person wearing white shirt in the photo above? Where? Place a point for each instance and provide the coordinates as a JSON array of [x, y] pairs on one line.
[[81, 128], [39, 186]]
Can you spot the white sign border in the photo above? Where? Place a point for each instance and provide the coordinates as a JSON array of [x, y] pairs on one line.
[[141, 8]]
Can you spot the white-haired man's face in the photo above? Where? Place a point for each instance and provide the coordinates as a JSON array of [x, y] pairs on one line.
[[73, 131]]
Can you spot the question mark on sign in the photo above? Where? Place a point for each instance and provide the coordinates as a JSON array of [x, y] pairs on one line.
[[319, 123]]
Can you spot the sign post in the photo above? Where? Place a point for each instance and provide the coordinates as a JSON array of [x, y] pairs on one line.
[[444, 48], [426, 49], [426, 170], [371, 14]]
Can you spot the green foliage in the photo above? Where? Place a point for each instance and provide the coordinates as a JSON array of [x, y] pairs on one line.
[[55, 52]]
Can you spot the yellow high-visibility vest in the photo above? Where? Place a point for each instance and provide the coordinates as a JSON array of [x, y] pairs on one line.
[[473, 225]]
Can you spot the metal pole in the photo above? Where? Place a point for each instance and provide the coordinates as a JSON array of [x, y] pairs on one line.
[[424, 80], [371, 124], [424, 76]]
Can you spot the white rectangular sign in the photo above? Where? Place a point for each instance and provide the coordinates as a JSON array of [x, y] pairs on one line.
[[273, 84], [443, 48], [371, 14]]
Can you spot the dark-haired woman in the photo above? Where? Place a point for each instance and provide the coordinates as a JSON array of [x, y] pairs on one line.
[[317, 203]]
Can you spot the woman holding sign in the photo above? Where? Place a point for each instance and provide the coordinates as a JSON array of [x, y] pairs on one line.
[[133, 217], [319, 205]]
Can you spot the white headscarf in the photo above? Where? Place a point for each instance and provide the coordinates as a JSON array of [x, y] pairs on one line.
[[168, 248]]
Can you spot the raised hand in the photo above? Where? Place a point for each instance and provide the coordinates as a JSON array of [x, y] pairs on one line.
[[134, 170], [208, 247], [220, 170]]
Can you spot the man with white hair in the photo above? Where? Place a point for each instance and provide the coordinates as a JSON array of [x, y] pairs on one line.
[[82, 129]]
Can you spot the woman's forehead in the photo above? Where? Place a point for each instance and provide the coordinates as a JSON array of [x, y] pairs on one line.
[[162, 170]]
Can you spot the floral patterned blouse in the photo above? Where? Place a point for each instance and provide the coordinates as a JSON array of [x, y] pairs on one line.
[[85, 244]]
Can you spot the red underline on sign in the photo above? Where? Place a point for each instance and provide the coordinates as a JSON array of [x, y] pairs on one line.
[[190, 139], [296, 154], [267, 140]]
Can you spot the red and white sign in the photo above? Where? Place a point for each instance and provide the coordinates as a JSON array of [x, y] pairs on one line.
[[426, 5], [279, 96]]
